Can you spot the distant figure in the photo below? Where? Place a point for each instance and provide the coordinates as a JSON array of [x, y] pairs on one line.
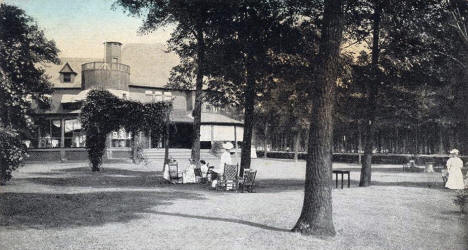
[[188, 176], [455, 176], [226, 156]]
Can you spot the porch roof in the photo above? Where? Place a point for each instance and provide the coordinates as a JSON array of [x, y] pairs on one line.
[[177, 115]]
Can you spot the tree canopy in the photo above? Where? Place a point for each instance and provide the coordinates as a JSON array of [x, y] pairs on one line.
[[23, 49]]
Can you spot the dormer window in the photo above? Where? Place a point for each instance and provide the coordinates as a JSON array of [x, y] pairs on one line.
[[67, 75]]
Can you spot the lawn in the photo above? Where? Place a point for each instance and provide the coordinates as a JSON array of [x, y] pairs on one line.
[[66, 206]]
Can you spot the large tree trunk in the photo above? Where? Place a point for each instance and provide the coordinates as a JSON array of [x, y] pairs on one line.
[[317, 217], [248, 116], [464, 100], [372, 88], [195, 155]]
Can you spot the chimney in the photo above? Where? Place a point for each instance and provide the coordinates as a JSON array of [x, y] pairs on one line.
[[112, 52]]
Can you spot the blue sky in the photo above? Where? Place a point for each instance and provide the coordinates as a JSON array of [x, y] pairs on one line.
[[79, 27]]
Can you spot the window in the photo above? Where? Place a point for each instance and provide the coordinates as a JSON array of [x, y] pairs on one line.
[[74, 136], [67, 77], [167, 96], [115, 60], [49, 134], [158, 96], [121, 139]]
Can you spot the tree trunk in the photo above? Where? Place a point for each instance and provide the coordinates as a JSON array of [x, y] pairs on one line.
[[198, 96], [134, 147], [317, 216], [166, 139], [3, 169], [464, 100], [265, 141], [297, 140], [248, 115], [372, 88], [441, 140]]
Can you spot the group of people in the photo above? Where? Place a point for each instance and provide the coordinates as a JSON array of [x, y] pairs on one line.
[[455, 175], [213, 174]]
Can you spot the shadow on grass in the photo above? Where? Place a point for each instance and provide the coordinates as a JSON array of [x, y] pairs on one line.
[[238, 221], [47, 210], [108, 177], [282, 185]]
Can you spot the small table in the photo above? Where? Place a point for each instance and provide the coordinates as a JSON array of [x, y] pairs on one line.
[[342, 172]]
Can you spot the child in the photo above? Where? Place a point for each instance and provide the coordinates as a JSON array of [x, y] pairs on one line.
[[204, 168]]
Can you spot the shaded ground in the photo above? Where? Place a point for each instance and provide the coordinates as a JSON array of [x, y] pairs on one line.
[[66, 206]]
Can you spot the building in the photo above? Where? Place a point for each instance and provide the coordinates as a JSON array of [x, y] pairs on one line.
[[60, 136]]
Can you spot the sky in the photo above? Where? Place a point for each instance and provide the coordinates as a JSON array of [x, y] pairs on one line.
[[79, 27]]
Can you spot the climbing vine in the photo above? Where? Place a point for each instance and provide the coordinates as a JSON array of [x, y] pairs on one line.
[[103, 113]]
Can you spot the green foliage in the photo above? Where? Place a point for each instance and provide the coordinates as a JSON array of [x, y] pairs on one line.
[[461, 199], [12, 153], [23, 48], [103, 113]]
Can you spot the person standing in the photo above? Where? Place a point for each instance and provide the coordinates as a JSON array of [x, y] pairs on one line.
[[454, 166], [225, 159]]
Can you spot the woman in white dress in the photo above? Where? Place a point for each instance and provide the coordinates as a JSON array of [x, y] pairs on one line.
[[455, 176], [188, 176], [225, 159]]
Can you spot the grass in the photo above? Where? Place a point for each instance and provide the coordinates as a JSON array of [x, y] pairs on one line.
[[66, 206]]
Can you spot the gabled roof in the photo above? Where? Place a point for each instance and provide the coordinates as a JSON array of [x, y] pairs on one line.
[[53, 71], [150, 66], [67, 69]]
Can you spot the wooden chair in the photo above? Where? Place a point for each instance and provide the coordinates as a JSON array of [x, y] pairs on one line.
[[248, 181], [174, 173], [199, 176], [229, 180]]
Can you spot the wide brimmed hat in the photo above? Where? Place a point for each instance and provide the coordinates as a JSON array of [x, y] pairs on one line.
[[454, 151], [228, 145]]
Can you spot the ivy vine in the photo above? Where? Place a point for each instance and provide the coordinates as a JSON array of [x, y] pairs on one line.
[[102, 113]]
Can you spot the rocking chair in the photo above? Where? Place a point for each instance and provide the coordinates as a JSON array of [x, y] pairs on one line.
[[229, 180], [174, 175], [248, 180]]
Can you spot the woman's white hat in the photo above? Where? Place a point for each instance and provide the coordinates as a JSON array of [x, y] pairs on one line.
[[228, 145], [454, 151]]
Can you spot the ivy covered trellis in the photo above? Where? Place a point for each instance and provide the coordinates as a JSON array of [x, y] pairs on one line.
[[103, 113]]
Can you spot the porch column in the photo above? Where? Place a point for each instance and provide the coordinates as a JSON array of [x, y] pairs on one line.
[[212, 136], [62, 140], [235, 143]]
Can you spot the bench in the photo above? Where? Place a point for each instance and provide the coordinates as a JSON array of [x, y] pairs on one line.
[[342, 172]]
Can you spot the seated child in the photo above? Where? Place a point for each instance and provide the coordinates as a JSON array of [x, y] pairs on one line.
[[188, 175], [203, 168]]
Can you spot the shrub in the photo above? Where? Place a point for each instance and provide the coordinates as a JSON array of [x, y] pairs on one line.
[[461, 199], [12, 153]]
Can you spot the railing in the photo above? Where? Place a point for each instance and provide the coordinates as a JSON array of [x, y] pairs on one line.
[[105, 66]]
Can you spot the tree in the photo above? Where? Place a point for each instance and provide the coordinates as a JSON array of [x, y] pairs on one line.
[[316, 216], [396, 56], [23, 47], [456, 22], [241, 50], [192, 19]]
